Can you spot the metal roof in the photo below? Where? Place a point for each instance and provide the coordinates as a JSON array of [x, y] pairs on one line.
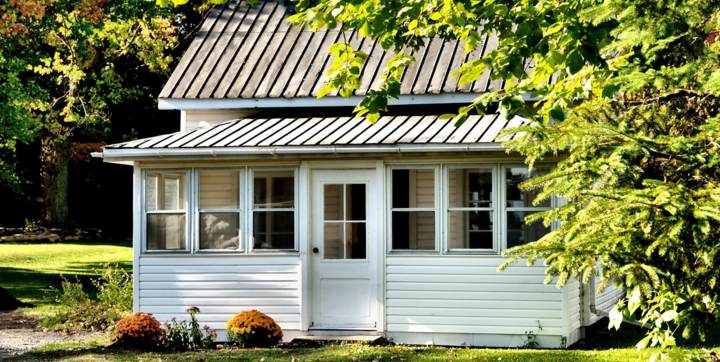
[[340, 134], [250, 52]]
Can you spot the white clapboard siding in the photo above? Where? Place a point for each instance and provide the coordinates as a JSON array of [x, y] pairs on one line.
[[606, 298], [220, 286], [428, 294], [573, 306]]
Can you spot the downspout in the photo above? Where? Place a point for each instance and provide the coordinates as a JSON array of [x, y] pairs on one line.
[[594, 310]]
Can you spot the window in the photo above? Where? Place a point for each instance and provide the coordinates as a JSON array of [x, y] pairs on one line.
[[344, 221], [471, 209], [413, 209], [219, 213], [165, 211], [273, 210], [519, 204]]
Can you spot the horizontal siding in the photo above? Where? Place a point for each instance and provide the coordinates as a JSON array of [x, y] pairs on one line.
[[467, 295], [573, 304], [606, 299], [220, 286]]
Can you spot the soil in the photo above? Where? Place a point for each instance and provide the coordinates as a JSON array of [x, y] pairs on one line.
[[19, 334]]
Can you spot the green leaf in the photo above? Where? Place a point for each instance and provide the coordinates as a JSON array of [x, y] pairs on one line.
[[574, 61]]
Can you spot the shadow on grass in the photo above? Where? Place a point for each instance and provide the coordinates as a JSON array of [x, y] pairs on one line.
[[101, 242], [40, 287]]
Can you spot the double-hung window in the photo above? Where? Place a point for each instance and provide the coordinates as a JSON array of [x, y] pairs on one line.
[[471, 208], [219, 210], [413, 208], [166, 217], [520, 203], [273, 210]]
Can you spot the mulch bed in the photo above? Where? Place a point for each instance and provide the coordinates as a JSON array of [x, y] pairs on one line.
[[17, 320]]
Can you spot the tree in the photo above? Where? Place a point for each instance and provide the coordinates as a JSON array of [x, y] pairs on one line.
[[63, 64], [627, 93]]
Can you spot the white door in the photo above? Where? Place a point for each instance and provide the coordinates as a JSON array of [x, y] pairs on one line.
[[343, 248]]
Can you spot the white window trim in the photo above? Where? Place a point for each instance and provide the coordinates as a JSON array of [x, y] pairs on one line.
[[249, 205], [494, 209], [437, 184], [240, 210], [186, 211]]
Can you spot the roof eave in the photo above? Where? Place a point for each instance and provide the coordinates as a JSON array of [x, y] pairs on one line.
[[234, 152]]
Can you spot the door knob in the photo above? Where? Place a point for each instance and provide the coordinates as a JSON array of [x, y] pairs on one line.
[[316, 250]]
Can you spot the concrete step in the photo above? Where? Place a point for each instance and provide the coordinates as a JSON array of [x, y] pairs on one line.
[[330, 339]]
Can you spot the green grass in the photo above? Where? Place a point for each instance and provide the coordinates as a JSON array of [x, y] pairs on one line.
[[32, 271], [94, 351]]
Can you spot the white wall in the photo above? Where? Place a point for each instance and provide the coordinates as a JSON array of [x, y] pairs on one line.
[[190, 119], [220, 286], [456, 300]]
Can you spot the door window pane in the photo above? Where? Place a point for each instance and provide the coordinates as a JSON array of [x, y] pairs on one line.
[[274, 229], [413, 188], [519, 232], [219, 189], [219, 230], [413, 230], [165, 232], [274, 189], [333, 243], [333, 202], [515, 197], [355, 236], [344, 221], [355, 202]]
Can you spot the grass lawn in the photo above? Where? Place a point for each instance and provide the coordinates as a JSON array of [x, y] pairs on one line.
[[31, 271], [93, 351]]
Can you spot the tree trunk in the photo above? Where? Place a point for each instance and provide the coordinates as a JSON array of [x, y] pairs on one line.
[[55, 158]]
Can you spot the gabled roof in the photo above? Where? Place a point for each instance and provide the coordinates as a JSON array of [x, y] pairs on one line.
[[251, 52], [325, 134]]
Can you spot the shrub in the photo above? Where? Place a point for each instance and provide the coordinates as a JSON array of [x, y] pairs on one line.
[[187, 336], [79, 311], [140, 330], [253, 329]]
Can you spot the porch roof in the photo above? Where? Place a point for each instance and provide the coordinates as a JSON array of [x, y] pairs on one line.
[[389, 134]]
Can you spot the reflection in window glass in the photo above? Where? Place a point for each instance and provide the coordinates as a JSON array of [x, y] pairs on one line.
[[165, 231], [219, 230], [274, 189], [470, 229], [519, 232], [164, 191], [274, 230], [273, 210], [515, 197], [413, 209], [471, 208], [165, 205]]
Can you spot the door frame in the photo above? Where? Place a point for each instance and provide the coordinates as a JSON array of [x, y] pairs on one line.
[[376, 172]]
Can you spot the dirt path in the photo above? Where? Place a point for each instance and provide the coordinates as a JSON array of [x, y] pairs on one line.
[[18, 334]]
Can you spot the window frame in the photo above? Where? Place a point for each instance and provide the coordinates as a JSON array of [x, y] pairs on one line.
[[187, 211], [240, 210], [437, 188], [250, 205], [494, 209], [504, 209]]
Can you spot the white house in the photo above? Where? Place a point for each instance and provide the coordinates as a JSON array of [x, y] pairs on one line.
[[272, 199]]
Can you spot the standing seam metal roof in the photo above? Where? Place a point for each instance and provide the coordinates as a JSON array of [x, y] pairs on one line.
[[244, 51], [333, 131]]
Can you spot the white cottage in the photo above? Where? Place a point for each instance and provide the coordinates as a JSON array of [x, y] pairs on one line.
[[272, 199]]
